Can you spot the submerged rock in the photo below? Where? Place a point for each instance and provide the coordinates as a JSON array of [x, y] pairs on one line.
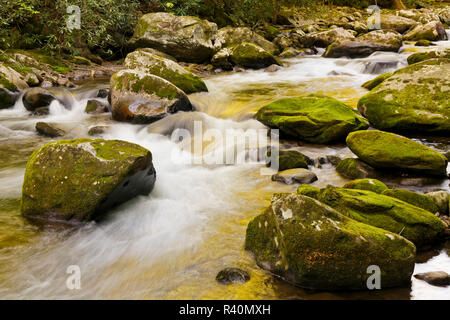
[[415, 224], [186, 38], [313, 246], [232, 275], [292, 176], [352, 168], [414, 99], [366, 184], [391, 151], [140, 97], [78, 180], [49, 130], [166, 69], [314, 118], [435, 278], [416, 199]]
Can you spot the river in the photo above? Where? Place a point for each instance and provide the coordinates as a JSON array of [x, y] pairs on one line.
[[172, 243]]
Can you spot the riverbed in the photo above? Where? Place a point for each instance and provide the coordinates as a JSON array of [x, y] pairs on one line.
[[172, 243]]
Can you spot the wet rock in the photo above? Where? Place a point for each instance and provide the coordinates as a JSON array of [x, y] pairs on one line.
[[351, 168], [416, 199], [314, 118], [230, 36], [232, 275], [365, 44], [283, 41], [250, 55], [96, 107], [435, 278], [369, 85], [307, 190], [396, 23], [7, 98], [433, 31], [139, 97], [272, 68], [325, 38], [366, 184], [442, 200], [424, 43], [385, 150], [49, 130], [422, 56], [78, 180], [103, 93], [185, 38], [222, 59], [415, 224], [313, 246], [10, 85], [290, 53], [97, 130], [290, 159], [37, 98], [166, 69], [414, 99], [292, 176], [334, 160]]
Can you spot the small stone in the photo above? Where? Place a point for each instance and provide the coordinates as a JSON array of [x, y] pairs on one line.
[[435, 278], [49, 130], [295, 176], [232, 275]]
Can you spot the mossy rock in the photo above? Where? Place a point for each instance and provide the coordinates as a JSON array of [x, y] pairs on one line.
[[185, 38], [373, 185], [290, 159], [411, 197], [308, 190], [250, 55], [415, 224], [49, 130], [222, 59], [230, 36], [442, 200], [386, 150], [352, 168], [432, 31], [313, 246], [140, 97], [37, 98], [94, 106], [232, 275], [78, 180], [166, 69], [424, 43], [414, 99], [422, 56], [313, 118], [369, 85]]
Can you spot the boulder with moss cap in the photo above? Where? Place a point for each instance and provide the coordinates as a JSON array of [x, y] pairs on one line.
[[79, 180], [313, 246], [415, 224], [414, 99], [373, 185], [250, 55], [414, 198], [386, 150], [139, 97], [432, 31], [352, 168], [230, 36], [166, 69], [314, 118], [422, 56]]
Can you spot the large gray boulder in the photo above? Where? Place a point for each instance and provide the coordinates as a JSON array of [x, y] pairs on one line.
[[432, 31]]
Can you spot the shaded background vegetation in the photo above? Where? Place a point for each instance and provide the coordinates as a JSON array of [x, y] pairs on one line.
[[107, 24]]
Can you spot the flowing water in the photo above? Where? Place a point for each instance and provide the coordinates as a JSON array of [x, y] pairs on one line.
[[172, 243]]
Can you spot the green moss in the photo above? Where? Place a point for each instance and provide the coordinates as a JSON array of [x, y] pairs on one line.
[[415, 224], [369, 85], [314, 118], [366, 184], [251, 56], [307, 190], [422, 56], [5, 83], [313, 246], [416, 199], [351, 168], [391, 151], [291, 159]]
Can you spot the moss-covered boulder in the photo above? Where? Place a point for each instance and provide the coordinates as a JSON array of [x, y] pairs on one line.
[[369, 85], [422, 56], [290, 159], [139, 97], [432, 31], [424, 43], [365, 44], [352, 168], [411, 197], [250, 55], [166, 69], [313, 246], [230, 36], [414, 99], [391, 151], [183, 37], [442, 200], [325, 38], [308, 190], [373, 185], [415, 224], [314, 118], [78, 180]]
